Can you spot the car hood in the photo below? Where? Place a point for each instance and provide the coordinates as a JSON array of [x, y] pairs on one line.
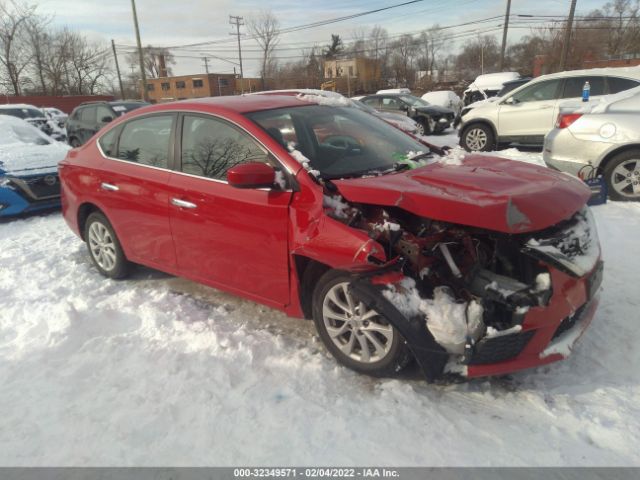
[[21, 159], [484, 192], [435, 109]]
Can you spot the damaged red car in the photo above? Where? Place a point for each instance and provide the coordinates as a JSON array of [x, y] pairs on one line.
[[398, 251]]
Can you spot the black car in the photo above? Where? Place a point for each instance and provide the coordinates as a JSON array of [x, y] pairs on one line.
[[87, 118], [430, 118]]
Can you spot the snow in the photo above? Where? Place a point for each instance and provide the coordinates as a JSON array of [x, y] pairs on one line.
[[492, 81], [323, 100], [336, 205], [157, 370]]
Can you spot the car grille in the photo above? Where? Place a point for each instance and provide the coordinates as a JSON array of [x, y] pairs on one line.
[[41, 187], [498, 349]]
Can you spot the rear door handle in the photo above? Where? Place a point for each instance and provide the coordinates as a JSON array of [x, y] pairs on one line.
[[110, 187], [182, 203]]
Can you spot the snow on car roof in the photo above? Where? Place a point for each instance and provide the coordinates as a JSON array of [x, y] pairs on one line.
[[303, 91], [492, 81], [17, 105], [628, 72]]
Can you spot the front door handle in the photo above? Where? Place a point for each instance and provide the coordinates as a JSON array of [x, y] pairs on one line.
[[109, 187], [182, 203]]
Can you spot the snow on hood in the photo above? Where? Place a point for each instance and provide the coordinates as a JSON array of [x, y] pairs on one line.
[[22, 159], [485, 192]]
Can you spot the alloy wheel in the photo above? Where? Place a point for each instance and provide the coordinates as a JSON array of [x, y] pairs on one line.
[[476, 139], [102, 246], [360, 333], [625, 178]]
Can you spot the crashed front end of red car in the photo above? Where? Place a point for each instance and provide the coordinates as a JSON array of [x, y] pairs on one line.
[[482, 280]]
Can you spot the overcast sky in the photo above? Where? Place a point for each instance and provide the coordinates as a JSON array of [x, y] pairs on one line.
[[169, 23]]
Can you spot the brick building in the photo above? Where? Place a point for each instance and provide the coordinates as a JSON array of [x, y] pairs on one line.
[[166, 89], [353, 75]]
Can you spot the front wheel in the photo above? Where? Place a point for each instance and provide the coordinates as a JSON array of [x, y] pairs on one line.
[[477, 138], [358, 337], [622, 174], [104, 247]]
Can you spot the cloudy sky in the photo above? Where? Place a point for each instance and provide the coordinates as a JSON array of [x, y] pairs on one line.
[[171, 23]]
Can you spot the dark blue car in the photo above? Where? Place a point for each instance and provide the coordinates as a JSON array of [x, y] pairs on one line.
[[28, 168]]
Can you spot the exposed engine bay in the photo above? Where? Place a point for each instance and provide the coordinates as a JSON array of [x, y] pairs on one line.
[[470, 286]]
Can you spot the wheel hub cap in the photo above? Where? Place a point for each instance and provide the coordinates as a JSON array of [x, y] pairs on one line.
[[102, 246], [476, 139], [359, 332], [624, 178]]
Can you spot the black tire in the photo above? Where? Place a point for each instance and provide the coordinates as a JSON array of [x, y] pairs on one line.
[[423, 125], [74, 142], [472, 141], [111, 252], [397, 355], [617, 170]]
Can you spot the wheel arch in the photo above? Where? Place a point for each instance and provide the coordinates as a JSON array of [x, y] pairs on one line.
[[84, 211], [308, 271], [606, 159], [481, 121]]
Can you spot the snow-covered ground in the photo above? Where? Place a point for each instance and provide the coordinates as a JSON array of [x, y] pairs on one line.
[[157, 370]]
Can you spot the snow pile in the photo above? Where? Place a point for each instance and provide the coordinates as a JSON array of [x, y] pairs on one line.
[[322, 100], [302, 160], [451, 323], [337, 206], [453, 157]]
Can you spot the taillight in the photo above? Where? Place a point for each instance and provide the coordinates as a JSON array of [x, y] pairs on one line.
[[566, 119]]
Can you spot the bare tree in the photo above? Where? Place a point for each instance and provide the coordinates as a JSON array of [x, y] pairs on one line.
[[15, 51], [265, 29], [402, 59], [153, 58], [40, 40]]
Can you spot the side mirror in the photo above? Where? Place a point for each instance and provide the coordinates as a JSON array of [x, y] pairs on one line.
[[251, 175], [106, 119], [511, 101]]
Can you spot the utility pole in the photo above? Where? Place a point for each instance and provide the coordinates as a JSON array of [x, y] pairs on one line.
[[567, 37], [504, 34], [206, 65], [115, 56], [143, 76], [237, 21]]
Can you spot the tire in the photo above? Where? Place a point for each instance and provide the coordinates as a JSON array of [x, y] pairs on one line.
[[74, 142], [622, 175], [477, 138], [423, 129], [104, 247], [386, 350]]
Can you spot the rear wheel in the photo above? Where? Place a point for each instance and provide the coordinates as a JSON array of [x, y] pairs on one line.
[[358, 337], [104, 247], [477, 138], [622, 174]]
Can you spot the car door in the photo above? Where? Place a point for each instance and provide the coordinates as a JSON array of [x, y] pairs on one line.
[[235, 239], [133, 187], [392, 104], [527, 115], [104, 115]]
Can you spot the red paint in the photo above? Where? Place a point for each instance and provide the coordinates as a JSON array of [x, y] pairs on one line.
[[251, 175], [566, 119], [246, 241]]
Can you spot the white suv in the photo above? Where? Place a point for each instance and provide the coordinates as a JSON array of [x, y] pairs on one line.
[[524, 116]]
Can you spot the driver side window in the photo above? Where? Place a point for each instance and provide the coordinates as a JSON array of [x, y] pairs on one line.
[[391, 103], [540, 91]]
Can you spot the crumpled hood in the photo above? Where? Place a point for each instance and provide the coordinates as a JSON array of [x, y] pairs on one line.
[[435, 110], [484, 192]]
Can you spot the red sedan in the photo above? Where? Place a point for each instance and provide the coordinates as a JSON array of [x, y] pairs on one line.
[[478, 267]]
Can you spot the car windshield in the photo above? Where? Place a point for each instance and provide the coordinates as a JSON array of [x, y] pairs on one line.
[[122, 108], [414, 101], [22, 112], [339, 142]]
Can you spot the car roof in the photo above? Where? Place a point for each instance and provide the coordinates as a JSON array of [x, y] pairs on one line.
[[626, 72], [17, 105], [236, 103]]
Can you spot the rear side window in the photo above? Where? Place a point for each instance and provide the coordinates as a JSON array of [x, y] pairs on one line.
[[146, 141], [537, 92], [210, 147], [108, 142], [573, 86], [372, 102], [617, 84], [88, 115]]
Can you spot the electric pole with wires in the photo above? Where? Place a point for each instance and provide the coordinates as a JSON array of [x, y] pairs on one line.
[[143, 75], [567, 37], [504, 35], [238, 21]]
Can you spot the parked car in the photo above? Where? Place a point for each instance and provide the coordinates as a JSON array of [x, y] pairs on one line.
[[400, 121], [28, 168], [604, 136], [524, 116], [56, 115], [35, 117], [487, 85], [506, 88], [470, 269], [430, 118], [394, 90], [89, 117], [444, 98]]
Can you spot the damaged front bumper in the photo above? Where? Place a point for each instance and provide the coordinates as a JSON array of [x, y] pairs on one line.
[[544, 334]]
